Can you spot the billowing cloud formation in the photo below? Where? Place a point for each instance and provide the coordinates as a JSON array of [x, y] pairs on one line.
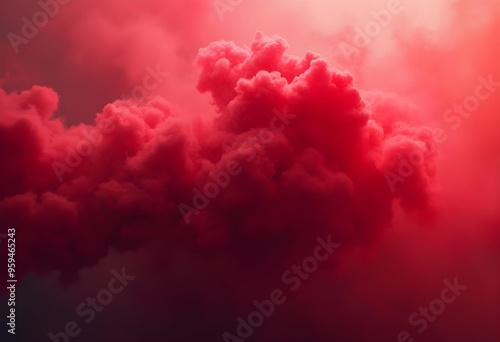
[[309, 155]]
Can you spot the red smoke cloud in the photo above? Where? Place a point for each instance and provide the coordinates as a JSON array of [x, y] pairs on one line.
[[295, 148], [124, 178]]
